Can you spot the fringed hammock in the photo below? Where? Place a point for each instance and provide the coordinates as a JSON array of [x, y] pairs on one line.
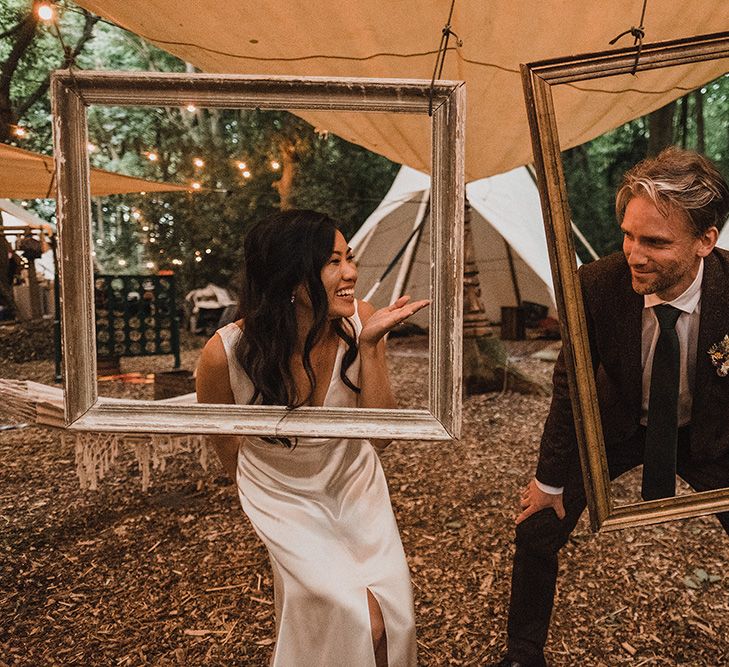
[[32, 402]]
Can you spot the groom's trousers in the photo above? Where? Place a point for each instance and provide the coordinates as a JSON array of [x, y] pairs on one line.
[[540, 537]]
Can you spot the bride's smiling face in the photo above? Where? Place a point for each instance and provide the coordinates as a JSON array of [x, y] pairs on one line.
[[339, 276]]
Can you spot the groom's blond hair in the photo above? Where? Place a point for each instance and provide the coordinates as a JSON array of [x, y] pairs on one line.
[[678, 180]]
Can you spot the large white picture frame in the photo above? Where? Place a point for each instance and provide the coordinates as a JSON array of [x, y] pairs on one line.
[[85, 410]]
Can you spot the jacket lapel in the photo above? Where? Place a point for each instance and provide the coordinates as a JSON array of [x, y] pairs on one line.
[[629, 325], [713, 326]]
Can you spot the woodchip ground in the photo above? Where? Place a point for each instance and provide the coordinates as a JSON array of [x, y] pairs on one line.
[[176, 576]]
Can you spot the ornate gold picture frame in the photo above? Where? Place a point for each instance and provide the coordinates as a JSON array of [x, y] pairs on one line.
[[539, 79], [85, 410]]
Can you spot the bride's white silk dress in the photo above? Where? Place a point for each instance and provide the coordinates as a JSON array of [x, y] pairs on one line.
[[322, 509]]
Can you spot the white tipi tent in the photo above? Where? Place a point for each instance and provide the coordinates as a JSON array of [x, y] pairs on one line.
[[507, 229], [723, 241]]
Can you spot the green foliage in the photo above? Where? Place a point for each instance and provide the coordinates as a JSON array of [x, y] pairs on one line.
[[593, 172], [326, 184], [197, 234]]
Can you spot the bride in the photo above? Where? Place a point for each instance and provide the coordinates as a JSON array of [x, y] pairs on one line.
[[320, 505]]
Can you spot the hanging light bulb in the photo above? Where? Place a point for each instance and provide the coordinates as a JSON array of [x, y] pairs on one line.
[[275, 165], [45, 11], [241, 165], [191, 108], [20, 132], [195, 185], [198, 162], [152, 156], [246, 174]]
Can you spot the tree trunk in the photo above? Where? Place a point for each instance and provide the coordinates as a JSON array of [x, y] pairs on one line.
[[285, 184], [475, 323], [660, 128], [486, 369], [23, 38], [699, 113], [683, 122]]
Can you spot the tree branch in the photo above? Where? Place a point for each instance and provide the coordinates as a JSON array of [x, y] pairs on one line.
[[24, 36], [68, 59], [11, 31]]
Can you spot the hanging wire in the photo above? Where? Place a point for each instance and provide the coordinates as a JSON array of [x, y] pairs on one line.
[[638, 35], [440, 58]]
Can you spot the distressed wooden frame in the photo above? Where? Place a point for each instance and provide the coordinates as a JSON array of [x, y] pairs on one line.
[[84, 410], [538, 79]]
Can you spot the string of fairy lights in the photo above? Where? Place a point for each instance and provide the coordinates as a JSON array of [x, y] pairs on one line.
[[47, 13]]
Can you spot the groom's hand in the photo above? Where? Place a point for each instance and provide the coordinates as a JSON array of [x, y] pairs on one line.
[[533, 499]]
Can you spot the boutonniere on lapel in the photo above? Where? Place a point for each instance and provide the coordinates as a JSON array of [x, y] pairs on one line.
[[719, 353]]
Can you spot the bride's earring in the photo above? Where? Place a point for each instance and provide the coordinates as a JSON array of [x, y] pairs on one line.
[[293, 297]]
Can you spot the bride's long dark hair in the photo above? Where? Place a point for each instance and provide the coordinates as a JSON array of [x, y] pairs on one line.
[[280, 253]]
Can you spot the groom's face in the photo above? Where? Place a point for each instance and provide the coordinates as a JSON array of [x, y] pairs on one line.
[[662, 251]]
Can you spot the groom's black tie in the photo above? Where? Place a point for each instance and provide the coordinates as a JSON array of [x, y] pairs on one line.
[[661, 440]]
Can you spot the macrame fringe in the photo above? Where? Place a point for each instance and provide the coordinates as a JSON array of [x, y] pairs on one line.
[[96, 453], [40, 404]]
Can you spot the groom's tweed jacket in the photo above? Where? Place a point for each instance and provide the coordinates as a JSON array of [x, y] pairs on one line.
[[614, 313]]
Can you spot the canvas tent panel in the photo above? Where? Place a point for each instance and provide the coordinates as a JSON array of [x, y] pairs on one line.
[[724, 236], [397, 39], [510, 203], [497, 288], [503, 207], [28, 175], [392, 234], [407, 183]]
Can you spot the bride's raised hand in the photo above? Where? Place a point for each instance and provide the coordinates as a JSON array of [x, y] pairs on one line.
[[385, 319]]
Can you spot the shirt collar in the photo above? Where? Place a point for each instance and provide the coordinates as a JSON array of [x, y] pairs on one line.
[[687, 301]]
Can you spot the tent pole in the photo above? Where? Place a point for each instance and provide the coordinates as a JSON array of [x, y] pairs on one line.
[[512, 272], [575, 228], [584, 241], [393, 263], [412, 244]]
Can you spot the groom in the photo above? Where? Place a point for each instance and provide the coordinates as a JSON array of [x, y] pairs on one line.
[[653, 312]]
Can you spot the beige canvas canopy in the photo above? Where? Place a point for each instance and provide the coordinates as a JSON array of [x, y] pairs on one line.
[[399, 38], [27, 175]]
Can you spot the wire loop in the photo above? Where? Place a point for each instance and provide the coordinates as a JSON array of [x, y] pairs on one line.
[[638, 34], [446, 33]]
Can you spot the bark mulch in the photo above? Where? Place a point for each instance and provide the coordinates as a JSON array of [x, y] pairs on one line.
[[176, 576]]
